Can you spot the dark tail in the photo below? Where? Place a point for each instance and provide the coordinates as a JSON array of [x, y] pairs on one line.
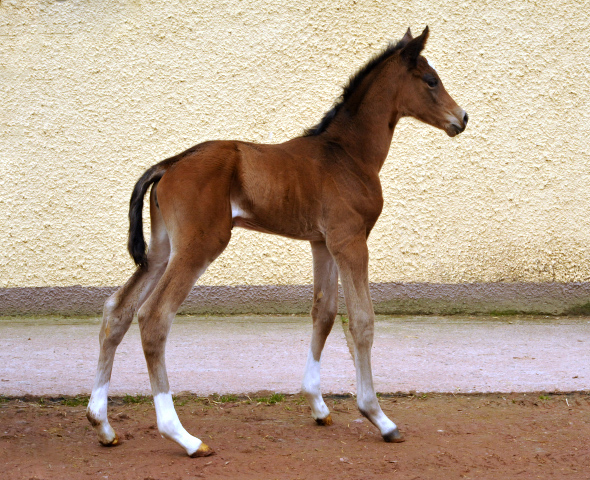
[[136, 243]]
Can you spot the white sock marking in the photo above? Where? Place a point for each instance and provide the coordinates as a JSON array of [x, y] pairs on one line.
[[97, 409], [311, 388], [367, 401], [169, 425], [98, 402]]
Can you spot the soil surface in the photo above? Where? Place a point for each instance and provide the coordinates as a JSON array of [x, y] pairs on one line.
[[477, 436]]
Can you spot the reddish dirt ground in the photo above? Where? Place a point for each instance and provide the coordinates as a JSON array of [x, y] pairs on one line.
[[487, 436]]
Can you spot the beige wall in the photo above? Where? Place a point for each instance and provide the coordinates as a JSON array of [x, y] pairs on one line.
[[95, 92]]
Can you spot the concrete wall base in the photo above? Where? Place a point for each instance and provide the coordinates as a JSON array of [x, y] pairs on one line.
[[388, 298]]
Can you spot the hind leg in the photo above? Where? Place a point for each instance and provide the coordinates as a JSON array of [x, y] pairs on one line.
[[118, 313], [117, 316], [199, 223], [155, 320], [325, 307]]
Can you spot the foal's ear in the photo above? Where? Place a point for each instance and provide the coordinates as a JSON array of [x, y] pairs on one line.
[[411, 51], [407, 38]]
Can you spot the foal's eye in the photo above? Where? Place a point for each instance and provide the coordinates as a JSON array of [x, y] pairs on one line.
[[431, 81]]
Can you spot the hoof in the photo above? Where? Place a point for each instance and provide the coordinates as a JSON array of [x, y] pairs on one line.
[[203, 451], [113, 443], [394, 436], [324, 421]]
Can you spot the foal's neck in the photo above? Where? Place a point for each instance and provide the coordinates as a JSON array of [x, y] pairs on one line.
[[365, 125]]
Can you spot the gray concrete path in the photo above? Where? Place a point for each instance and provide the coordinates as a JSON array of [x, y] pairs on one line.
[[246, 354]]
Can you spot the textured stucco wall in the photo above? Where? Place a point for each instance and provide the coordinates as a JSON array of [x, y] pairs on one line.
[[94, 93]]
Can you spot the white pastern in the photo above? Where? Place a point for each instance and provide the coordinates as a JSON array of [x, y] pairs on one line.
[[311, 388], [97, 412], [169, 425], [367, 402], [97, 405], [384, 424]]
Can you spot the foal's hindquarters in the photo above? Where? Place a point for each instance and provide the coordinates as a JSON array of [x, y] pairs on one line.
[[155, 292]]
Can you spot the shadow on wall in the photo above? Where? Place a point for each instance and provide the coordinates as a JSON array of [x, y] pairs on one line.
[[388, 298]]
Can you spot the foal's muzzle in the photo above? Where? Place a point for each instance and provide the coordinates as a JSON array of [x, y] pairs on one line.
[[457, 123]]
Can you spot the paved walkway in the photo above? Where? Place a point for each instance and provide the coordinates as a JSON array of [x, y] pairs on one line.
[[246, 354]]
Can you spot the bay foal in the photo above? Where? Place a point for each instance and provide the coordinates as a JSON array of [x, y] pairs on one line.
[[322, 187]]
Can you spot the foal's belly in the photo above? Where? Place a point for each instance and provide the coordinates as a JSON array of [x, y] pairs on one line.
[[277, 224]]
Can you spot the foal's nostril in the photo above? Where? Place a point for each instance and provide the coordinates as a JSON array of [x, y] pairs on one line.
[[465, 119]]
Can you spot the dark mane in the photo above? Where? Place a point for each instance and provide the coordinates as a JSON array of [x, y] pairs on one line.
[[351, 86]]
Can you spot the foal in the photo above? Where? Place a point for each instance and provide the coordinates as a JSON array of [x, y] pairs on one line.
[[322, 187]]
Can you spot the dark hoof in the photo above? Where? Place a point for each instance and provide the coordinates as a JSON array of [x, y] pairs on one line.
[[324, 421], [394, 436]]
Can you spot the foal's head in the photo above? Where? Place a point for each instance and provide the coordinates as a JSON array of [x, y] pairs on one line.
[[423, 95]]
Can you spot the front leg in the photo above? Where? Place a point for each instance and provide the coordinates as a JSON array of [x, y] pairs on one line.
[[352, 258]]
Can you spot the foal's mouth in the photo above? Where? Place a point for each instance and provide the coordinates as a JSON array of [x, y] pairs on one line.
[[456, 126], [453, 129]]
